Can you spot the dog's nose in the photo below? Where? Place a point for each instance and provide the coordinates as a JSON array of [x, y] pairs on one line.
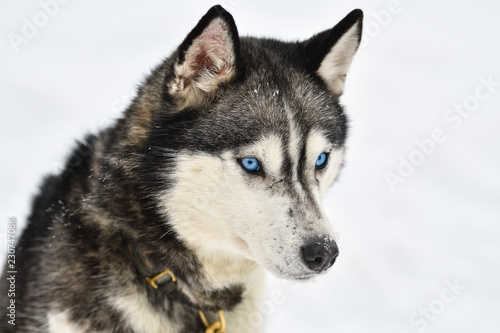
[[320, 254]]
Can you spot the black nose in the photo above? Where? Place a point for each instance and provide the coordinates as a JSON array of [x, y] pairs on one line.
[[320, 254]]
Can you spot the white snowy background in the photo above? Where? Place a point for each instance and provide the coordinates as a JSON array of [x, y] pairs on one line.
[[422, 256]]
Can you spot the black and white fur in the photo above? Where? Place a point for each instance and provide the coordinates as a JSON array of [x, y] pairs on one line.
[[167, 181]]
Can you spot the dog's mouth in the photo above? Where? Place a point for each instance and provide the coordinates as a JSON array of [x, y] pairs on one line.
[[305, 277], [297, 277]]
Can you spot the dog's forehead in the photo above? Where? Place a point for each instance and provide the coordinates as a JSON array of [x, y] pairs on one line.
[[265, 106]]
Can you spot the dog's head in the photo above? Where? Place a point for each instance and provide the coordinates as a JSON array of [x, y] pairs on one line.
[[247, 135]]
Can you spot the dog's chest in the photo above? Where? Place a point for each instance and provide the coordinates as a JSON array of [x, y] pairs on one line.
[[139, 315]]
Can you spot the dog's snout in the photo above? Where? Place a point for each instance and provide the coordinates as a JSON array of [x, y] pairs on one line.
[[320, 254]]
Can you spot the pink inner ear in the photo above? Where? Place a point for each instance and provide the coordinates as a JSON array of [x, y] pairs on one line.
[[211, 52], [202, 59]]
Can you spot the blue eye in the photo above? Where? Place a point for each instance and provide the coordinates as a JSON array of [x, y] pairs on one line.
[[250, 164], [321, 161]]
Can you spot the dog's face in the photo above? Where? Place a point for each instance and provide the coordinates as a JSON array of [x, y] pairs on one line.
[[257, 139]]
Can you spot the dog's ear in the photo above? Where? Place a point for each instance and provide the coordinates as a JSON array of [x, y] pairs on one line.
[[330, 52], [207, 57]]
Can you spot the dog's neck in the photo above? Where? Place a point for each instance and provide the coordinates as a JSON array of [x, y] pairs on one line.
[[223, 269], [211, 281]]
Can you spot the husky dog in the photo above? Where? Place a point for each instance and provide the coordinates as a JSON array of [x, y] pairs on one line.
[[168, 220]]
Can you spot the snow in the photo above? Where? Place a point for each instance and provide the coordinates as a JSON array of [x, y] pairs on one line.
[[423, 257]]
